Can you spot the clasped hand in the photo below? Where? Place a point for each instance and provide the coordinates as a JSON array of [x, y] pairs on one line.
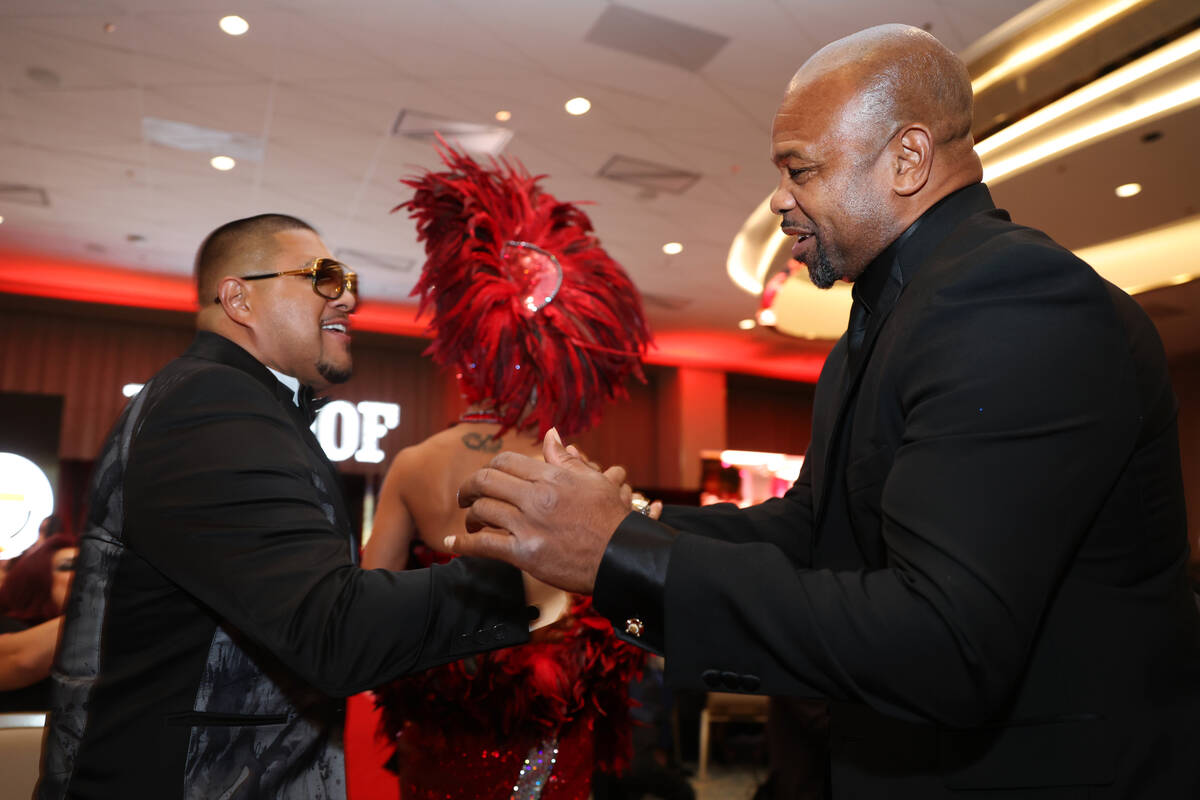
[[551, 518]]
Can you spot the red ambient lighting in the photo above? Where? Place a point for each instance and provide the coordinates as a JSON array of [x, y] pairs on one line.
[[89, 282]]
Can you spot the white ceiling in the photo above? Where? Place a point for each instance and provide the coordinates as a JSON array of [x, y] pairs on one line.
[[322, 83]]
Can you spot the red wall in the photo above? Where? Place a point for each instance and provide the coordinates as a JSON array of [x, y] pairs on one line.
[[87, 352]]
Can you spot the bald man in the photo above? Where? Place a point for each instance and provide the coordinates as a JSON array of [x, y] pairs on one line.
[[981, 564], [219, 615]]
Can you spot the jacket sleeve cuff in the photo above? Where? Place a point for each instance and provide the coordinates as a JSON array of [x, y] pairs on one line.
[[630, 583]]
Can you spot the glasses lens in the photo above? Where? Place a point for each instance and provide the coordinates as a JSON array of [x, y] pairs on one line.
[[329, 279]]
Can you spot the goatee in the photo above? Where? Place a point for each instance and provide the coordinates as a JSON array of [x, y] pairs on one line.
[[334, 374], [822, 274]]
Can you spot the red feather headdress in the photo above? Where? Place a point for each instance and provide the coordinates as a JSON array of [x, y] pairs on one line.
[[528, 308]]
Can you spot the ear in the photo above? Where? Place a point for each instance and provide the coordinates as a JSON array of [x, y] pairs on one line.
[[234, 297], [914, 160]]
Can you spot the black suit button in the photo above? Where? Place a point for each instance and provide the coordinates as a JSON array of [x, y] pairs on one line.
[[731, 680], [711, 678], [750, 683]]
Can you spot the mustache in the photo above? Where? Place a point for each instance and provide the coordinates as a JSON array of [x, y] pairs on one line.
[[788, 223]]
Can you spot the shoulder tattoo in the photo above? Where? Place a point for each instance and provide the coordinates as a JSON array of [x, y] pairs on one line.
[[483, 441]]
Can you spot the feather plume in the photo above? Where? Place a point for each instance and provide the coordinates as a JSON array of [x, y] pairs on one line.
[[557, 366]]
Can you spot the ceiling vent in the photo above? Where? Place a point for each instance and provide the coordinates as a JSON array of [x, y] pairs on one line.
[[657, 38], [487, 140], [666, 301], [647, 175], [361, 258], [23, 194], [185, 136]]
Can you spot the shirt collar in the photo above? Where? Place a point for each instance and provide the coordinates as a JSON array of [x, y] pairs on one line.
[[293, 384], [899, 260]]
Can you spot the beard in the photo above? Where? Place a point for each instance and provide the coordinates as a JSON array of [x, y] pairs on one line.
[[334, 373], [823, 273]]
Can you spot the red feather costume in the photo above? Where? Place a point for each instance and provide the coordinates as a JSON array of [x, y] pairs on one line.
[[545, 361], [541, 324]]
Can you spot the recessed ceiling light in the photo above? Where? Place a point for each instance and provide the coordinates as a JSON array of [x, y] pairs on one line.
[[672, 248], [747, 324], [578, 106], [1128, 189], [1, 220], [234, 25], [503, 115], [223, 163]]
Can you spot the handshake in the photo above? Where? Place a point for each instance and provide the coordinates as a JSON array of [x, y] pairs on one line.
[[552, 519]]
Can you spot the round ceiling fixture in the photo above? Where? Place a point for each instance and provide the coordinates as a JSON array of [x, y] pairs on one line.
[[503, 115], [234, 25], [747, 324], [578, 106], [223, 163], [1128, 189], [673, 248]]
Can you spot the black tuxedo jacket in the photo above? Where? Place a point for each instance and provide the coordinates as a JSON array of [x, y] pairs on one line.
[[982, 561], [218, 611]]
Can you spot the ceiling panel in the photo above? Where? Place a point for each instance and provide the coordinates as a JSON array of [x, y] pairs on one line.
[[323, 82]]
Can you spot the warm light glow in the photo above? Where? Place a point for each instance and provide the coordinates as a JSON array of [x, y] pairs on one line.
[[1055, 41], [746, 250], [1148, 260], [223, 163], [766, 317], [234, 25], [1128, 189], [672, 248], [1, 220], [747, 324], [1095, 91], [503, 115], [1159, 104], [782, 465], [578, 106]]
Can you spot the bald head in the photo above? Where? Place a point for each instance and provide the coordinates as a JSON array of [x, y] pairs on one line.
[[874, 129], [893, 75]]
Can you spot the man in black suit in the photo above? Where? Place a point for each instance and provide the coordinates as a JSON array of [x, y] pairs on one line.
[[219, 612], [982, 563]]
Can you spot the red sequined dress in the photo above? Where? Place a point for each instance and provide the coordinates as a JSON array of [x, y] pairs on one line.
[[530, 722]]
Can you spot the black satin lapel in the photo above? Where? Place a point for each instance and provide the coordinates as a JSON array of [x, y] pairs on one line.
[[332, 479], [827, 407], [848, 382]]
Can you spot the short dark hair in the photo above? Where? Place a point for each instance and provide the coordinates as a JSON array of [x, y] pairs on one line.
[[246, 239]]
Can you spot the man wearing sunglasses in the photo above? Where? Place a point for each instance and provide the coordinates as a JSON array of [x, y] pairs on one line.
[[219, 612]]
